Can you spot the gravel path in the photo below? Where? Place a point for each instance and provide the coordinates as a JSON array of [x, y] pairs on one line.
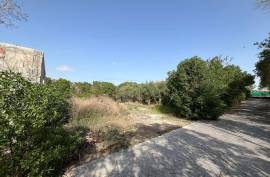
[[236, 145]]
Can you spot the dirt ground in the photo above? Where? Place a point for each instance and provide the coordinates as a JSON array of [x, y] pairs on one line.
[[135, 124]]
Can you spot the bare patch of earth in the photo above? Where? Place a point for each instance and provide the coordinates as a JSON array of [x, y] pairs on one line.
[[134, 125]]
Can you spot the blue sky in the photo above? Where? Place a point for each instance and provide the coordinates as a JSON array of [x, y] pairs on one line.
[[137, 40]]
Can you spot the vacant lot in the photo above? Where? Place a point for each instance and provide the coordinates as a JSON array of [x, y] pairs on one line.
[[110, 126]]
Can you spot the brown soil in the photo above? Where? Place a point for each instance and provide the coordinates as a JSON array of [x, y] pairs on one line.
[[135, 125]]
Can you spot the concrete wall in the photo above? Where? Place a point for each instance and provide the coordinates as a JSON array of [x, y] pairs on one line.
[[28, 62]]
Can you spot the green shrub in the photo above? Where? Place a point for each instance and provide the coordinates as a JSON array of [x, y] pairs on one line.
[[33, 142], [61, 85], [189, 92], [152, 92], [237, 89], [201, 89]]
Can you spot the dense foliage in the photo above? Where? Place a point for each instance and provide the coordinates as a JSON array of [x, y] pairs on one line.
[[103, 88], [82, 89], [147, 93], [202, 89], [33, 141], [263, 65], [61, 85], [128, 91]]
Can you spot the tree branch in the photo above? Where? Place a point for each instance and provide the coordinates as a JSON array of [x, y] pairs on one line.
[[10, 12]]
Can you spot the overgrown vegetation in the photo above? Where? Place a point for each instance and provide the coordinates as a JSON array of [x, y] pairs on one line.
[[112, 125], [33, 141], [37, 121], [88, 112], [200, 89]]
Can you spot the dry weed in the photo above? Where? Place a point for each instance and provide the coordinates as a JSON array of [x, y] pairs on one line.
[[94, 107]]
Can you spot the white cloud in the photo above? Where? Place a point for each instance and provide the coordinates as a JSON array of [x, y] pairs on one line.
[[114, 63], [65, 68]]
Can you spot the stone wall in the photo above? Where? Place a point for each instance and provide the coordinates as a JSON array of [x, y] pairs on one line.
[[28, 62]]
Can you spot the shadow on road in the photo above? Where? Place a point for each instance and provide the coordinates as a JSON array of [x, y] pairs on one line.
[[236, 145]]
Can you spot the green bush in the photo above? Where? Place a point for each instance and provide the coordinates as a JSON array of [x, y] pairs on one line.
[[201, 89], [33, 141], [61, 85], [82, 89], [237, 89], [152, 92], [189, 92], [231, 83]]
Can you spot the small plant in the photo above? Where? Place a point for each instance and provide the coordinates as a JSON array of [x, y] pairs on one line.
[[163, 109]]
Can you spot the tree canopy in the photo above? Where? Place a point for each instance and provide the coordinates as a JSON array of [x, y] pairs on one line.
[[202, 89], [263, 65]]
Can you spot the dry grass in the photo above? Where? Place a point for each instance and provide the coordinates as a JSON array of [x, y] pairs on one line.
[[102, 113], [112, 126], [101, 106], [94, 112]]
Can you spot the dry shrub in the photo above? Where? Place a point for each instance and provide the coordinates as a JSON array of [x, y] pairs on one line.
[[94, 107]]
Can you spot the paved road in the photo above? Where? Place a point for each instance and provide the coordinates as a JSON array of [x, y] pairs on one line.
[[236, 145]]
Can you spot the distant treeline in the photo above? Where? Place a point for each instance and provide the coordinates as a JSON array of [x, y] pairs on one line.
[[196, 89], [146, 93]]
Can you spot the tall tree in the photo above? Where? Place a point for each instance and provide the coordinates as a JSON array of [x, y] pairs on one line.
[[11, 11], [263, 65]]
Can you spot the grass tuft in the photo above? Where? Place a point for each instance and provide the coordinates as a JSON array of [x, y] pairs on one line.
[[161, 109]]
